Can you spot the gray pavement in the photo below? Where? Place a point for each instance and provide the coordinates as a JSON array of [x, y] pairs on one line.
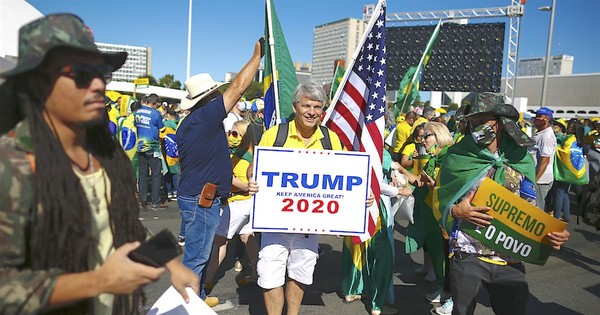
[[569, 283]]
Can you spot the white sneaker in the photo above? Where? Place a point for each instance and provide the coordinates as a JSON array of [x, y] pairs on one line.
[[437, 297], [446, 308]]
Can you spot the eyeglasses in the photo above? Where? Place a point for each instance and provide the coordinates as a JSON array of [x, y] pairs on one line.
[[83, 74], [427, 135], [234, 133]]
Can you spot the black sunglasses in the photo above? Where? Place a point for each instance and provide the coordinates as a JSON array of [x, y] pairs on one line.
[[83, 74], [427, 135]]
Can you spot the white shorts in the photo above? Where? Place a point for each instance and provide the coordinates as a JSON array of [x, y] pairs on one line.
[[235, 219], [294, 252]]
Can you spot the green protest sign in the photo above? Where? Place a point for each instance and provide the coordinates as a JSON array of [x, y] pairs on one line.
[[518, 230]]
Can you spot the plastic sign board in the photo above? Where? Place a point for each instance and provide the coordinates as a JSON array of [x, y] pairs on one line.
[[124, 105], [518, 229], [310, 191], [141, 81]]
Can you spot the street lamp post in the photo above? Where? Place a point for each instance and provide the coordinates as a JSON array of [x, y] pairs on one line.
[[189, 41], [552, 9]]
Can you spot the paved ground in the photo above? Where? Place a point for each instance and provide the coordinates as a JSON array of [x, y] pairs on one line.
[[569, 283]]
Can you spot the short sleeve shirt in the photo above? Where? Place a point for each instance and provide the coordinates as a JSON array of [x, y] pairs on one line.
[[294, 140], [203, 150], [545, 146], [148, 123]]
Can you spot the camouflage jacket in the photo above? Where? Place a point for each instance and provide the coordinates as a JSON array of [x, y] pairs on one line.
[[22, 290]]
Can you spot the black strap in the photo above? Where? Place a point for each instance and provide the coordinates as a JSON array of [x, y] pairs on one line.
[[282, 132], [326, 140]]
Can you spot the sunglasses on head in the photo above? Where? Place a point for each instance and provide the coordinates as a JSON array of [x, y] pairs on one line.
[[234, 133], [83, 74]]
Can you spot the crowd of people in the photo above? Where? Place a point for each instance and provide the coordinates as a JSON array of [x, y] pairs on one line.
[[73, 187]]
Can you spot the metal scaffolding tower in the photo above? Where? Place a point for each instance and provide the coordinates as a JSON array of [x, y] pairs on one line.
[[514, 12]]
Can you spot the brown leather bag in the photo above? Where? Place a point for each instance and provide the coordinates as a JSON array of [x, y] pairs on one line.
[[208, 194]]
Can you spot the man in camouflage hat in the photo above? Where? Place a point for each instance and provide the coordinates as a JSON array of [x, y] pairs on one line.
[[69, 214], [495, 147]]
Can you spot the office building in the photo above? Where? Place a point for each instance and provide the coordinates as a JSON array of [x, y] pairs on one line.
[[138, 64], [333, 41], [559, 65]]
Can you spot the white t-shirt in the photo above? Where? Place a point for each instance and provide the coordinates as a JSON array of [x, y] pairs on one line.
[[545, 146]]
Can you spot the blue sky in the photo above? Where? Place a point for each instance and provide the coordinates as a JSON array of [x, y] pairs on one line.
[[224, 31]]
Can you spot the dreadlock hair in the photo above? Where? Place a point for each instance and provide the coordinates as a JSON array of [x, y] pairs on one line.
[[59, 234]]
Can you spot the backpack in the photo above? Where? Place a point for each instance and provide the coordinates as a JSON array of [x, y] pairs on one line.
[[282, 132]]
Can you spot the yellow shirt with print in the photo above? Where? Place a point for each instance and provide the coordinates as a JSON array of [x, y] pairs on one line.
[[294, 140]]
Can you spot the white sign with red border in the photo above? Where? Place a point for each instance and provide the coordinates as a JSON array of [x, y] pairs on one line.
[[310, 191]]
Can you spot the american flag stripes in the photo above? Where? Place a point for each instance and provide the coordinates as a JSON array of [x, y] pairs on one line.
[[357, 115]]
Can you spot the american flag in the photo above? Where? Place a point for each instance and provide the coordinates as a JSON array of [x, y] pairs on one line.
[[357, 115]]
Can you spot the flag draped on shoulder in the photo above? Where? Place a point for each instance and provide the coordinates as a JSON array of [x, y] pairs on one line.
[[408, 91], [357, 113], [280, 76], [569, 163]]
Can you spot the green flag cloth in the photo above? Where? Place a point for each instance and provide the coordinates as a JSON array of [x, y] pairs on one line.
[[279, 70], [368, 267], [569, 163], [425, 227], [407, 91], [466, 163], [337, 78]]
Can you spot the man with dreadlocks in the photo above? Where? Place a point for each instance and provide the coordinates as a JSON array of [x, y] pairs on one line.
[[68, 211]]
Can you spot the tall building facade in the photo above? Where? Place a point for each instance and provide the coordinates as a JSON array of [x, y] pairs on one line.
[[332, 41], [138, 64], [561, 64]]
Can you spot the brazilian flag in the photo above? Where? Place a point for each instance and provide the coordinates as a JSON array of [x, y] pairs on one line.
[[279, 70], [569, 163], [168, 136]]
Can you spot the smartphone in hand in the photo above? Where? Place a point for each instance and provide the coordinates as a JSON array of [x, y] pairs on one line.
[[157, 251]]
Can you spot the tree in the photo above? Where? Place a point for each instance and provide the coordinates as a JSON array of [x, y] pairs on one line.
[[168, 81], [453, 106], [254, 90]]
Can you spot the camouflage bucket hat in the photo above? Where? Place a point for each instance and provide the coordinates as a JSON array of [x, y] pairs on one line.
[[494, 104], [41, 36]]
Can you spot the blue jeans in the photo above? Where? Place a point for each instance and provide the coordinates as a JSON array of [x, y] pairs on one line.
[[171, 181], [562, 203], [147, 160], [200, 226]]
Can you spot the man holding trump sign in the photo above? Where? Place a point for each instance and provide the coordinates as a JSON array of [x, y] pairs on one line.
[[494, 148], [296, 253]]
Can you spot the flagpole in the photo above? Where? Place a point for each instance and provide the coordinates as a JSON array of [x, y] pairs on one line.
[[427, 48], [353, 60], [334, 76], [273, 64], [189, 40]]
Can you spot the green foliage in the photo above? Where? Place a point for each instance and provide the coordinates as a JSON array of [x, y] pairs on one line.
[[452, 106], [254, 90], [168, 81]]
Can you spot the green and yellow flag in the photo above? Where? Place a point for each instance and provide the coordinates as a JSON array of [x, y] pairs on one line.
[[569, 163], [337, 78], [280, 76]]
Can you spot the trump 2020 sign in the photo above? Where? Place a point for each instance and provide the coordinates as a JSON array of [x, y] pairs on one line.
[[310, 191]]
